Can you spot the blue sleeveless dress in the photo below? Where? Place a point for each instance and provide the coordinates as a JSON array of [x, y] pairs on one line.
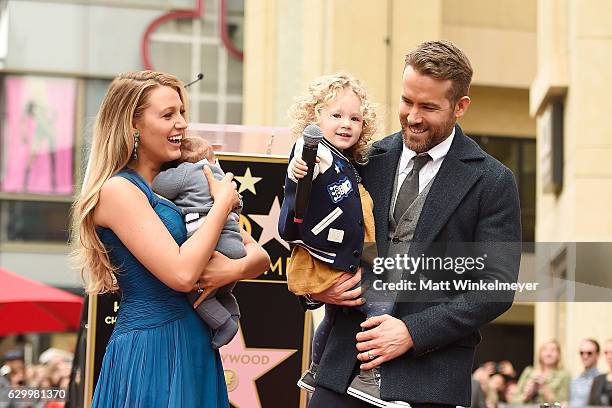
[[159, 354]]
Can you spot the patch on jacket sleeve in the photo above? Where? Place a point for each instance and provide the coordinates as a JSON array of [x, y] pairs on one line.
[[339, 190], [325, 222], [335, 235], [338, 166]]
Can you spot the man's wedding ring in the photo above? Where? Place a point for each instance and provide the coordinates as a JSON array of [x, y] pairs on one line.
[[370, 355], [200, 290]]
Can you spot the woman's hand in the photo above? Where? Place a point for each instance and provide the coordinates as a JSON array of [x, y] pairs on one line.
[[221, 270], [223, 191], [531, 388], [342, 293]]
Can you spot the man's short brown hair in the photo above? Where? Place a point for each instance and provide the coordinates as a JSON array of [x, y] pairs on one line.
[[441, 59], [593, 342]]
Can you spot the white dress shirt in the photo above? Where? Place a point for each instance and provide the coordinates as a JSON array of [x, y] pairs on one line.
[[429, 170]]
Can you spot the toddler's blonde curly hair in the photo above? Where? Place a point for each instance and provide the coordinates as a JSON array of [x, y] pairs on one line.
[[307, 108]]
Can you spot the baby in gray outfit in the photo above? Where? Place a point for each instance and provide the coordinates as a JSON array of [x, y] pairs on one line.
[[188, 188]]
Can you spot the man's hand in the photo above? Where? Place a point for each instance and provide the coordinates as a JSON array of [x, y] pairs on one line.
[[385, 339], [342, 293]]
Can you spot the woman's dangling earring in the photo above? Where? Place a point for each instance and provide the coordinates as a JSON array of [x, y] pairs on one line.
[[136, 139]]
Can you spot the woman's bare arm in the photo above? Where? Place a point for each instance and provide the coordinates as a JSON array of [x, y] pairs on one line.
[[124, 209], [222, 270]]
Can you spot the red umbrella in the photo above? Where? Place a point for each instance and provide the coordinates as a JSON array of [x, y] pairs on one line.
[[28, 306]]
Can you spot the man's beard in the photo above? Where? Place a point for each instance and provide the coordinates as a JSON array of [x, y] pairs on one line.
[[436, 134]]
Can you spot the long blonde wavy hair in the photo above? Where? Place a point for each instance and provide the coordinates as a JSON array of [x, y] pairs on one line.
[[111, 151], [307, 109]]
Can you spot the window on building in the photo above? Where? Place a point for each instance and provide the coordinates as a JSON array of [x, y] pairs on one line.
[[43, 142], [35, 221], [519, 155], [47, 121], [37, 145], [38, 135], [188, 47]]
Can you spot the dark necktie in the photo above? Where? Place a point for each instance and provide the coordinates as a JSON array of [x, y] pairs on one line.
[[410, 187]]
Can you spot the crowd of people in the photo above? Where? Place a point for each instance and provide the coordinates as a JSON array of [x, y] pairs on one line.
[[495, 383], [51, 372]]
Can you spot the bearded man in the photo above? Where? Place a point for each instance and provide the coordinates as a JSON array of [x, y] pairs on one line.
[[435, 191]]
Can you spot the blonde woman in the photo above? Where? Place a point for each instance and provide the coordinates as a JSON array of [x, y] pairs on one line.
[[127, 237], [546, 382]]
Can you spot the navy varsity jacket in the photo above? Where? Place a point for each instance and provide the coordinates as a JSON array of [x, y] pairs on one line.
[[332, 230]]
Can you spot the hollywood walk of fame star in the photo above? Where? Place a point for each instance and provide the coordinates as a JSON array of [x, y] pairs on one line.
[[244, 365], [269, 223], [248, 181]]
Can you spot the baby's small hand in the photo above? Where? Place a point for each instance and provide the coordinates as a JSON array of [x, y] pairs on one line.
[[299, 167]]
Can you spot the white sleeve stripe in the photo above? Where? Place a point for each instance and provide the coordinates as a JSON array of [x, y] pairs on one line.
[[320, 258], [328, 257], [325, 222], [311, 249]]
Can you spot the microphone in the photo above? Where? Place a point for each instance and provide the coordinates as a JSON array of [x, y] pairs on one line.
[[198, 78], [312, 136]]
